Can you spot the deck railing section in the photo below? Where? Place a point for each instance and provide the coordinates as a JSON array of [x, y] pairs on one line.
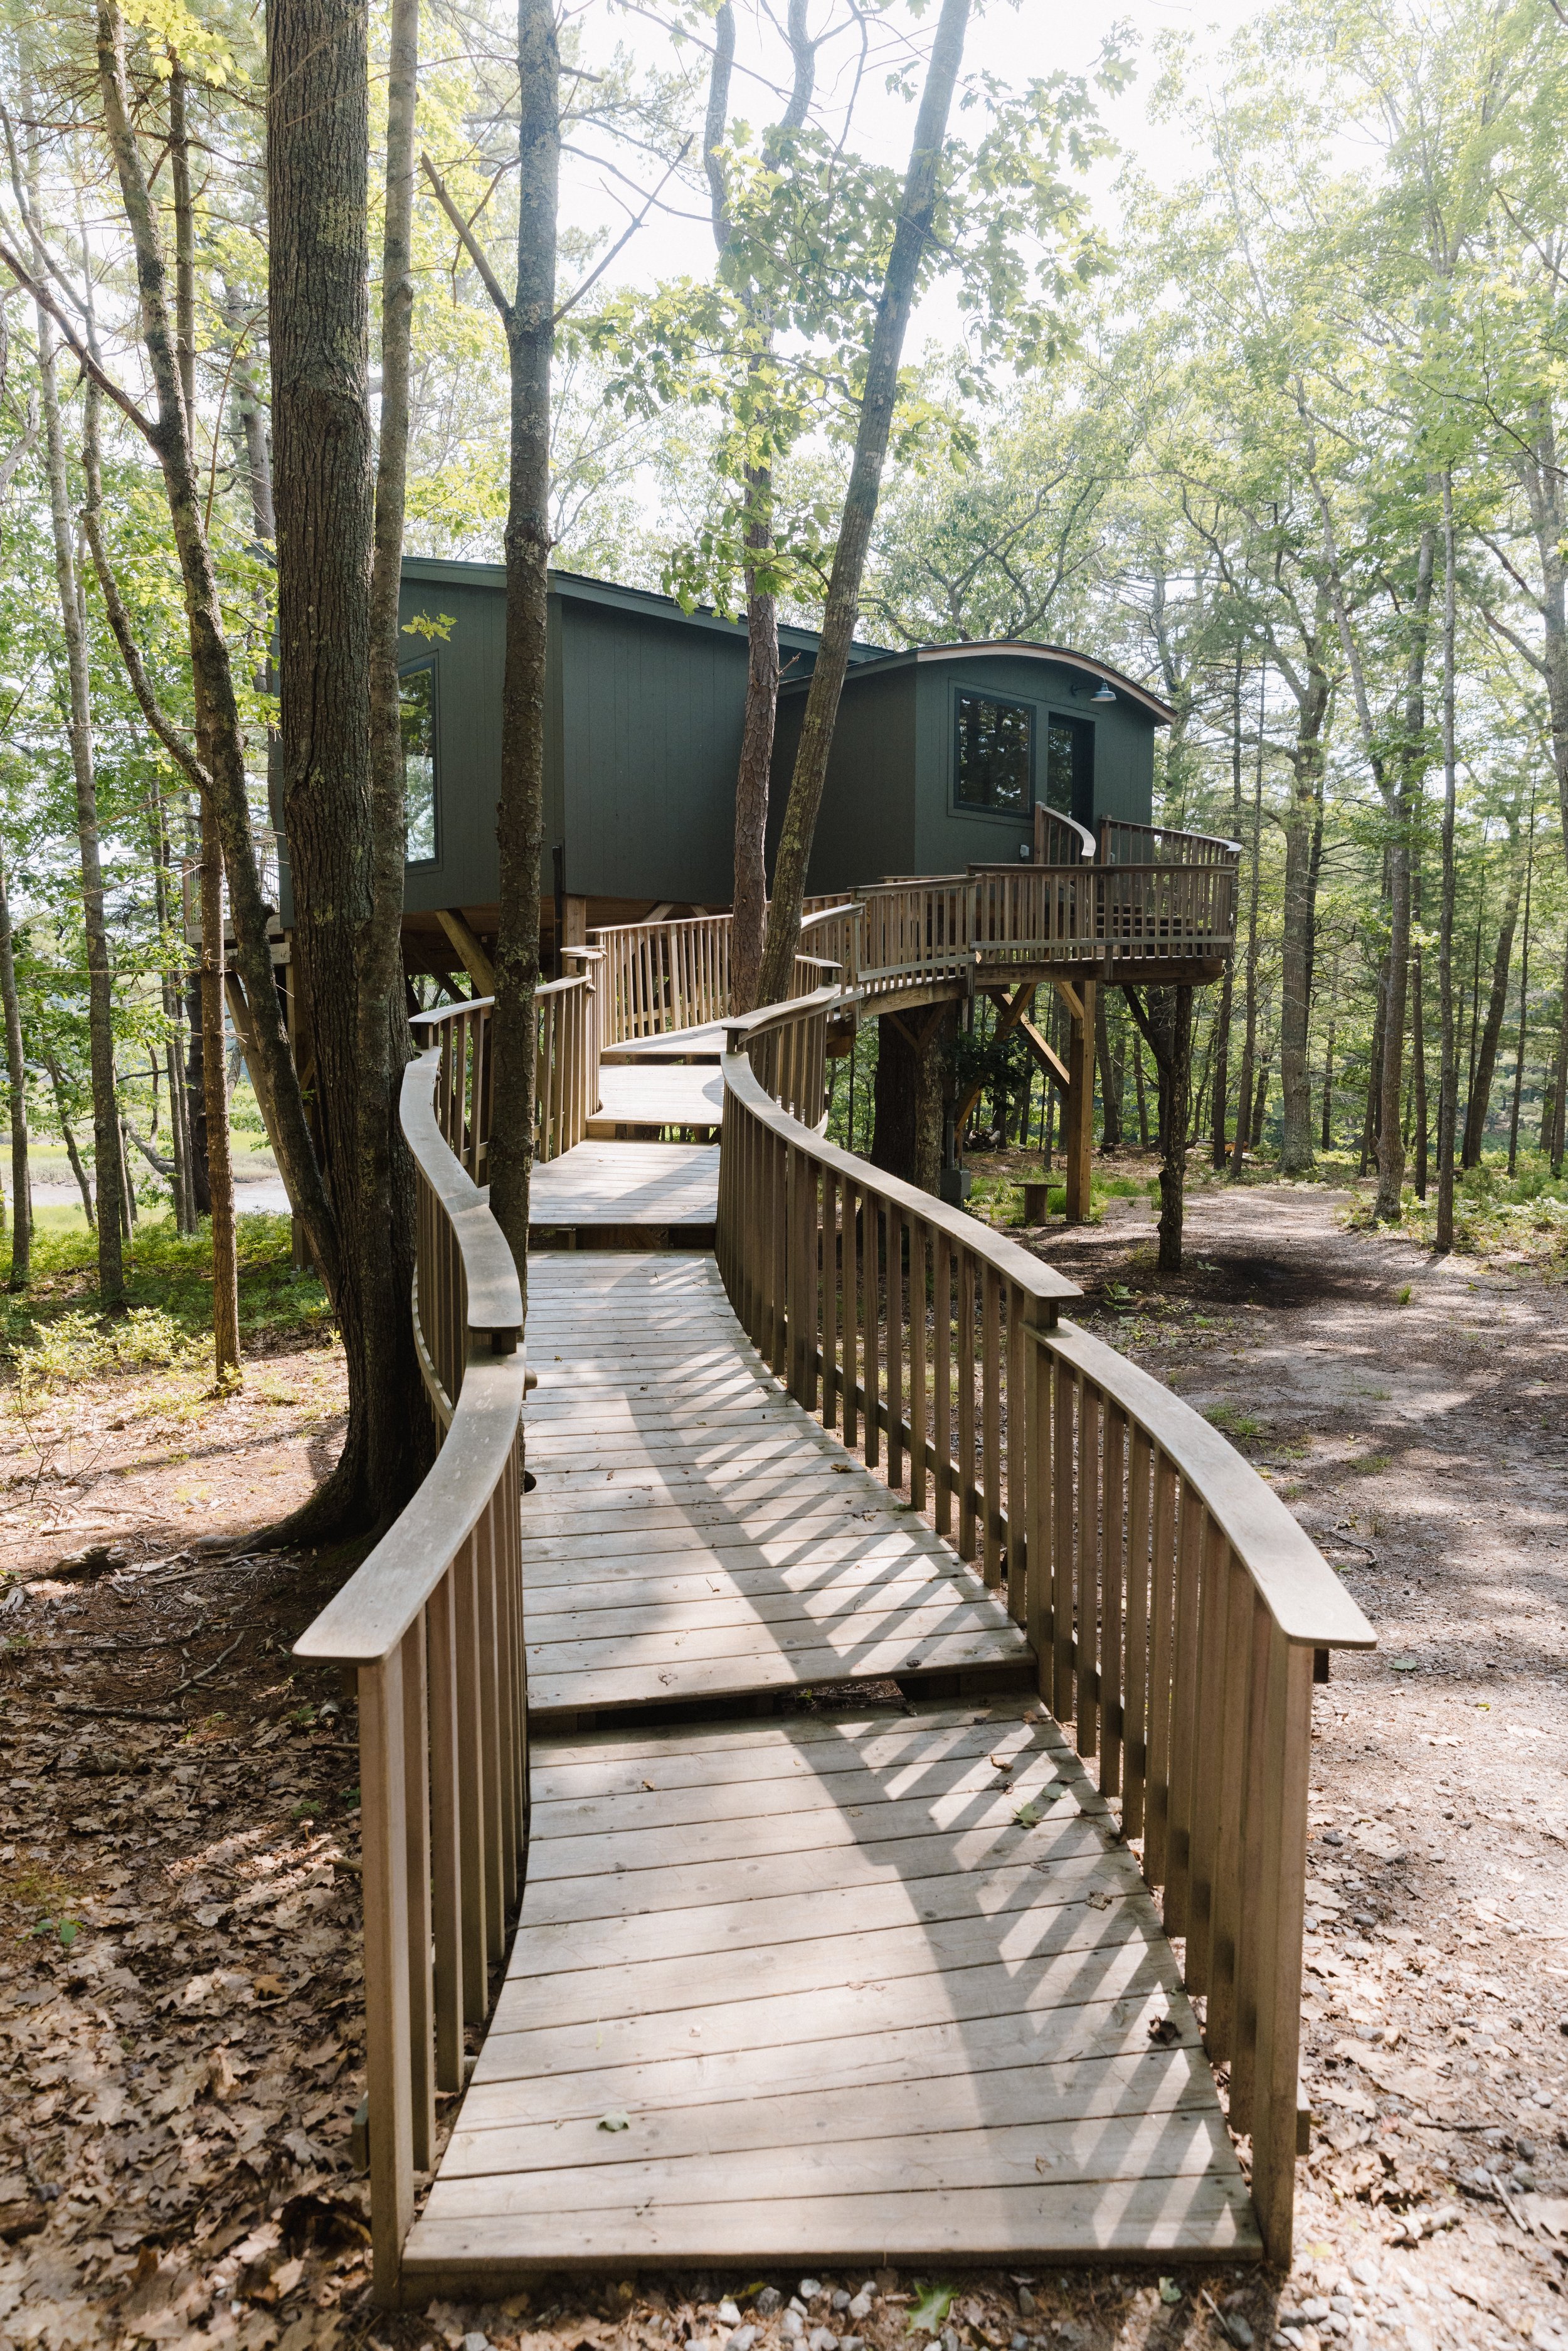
[[433, 1624], [1173, 1606], [1156, 844], [663, 975], [566, 1087]]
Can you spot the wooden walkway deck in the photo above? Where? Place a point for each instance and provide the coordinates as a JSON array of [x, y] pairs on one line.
[[696, 1534], [806, 1987], [659, 1093], [627, 1189], [832, 2001]]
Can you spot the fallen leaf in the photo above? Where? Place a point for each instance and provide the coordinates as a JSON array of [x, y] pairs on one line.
[[931, 2310], [616, 2122]]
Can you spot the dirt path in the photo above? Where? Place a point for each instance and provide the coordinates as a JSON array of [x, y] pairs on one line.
[[179, 2077]]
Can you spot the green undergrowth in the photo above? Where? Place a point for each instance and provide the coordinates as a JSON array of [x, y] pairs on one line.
[[1522, 1216], [54, 1334], [997, 1197]]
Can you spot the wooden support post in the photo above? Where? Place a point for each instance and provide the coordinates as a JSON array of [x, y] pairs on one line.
[[1079, 1102], [471, 955], [574, 920]]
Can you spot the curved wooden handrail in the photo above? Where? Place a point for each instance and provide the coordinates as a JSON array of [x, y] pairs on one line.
[[1176, 1610], [432, 1623], [1297, 1586], [1030, 1274]]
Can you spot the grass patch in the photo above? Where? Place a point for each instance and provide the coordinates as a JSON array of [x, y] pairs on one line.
[[54, 1334], [1233, 1421], [1371, 1464], [1524, 1216]]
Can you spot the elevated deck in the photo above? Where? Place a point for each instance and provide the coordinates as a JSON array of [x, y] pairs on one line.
[[657, 1095], [627, 1195], [695, 1536], [839, 1999]]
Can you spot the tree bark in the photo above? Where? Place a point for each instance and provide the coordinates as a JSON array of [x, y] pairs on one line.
[[529, 322], [1167, 1022], [1249, 1031], [1448, 1083], [1523, 996], [317, 173], [216, 1112], [1480, 1102], [101, 986], [83, 1184], [212, 675], [877, 403], [1227, 983], [911, 1101], [16, 1082]]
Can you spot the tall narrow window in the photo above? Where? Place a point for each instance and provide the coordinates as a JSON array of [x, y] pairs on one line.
[[416, 707], [993, 760]]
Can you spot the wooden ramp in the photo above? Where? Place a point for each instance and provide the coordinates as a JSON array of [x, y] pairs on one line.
[[658, 1094], [874, 1982], [626, 1190], [694, 1534], [810, 1990]]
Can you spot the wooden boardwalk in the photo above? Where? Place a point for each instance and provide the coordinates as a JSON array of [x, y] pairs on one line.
[[695, 1533], [628, 1188], [659, 1093], [841, 2003], [871, 1983]]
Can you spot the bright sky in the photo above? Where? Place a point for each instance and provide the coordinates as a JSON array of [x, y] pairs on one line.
[[1011, 42]]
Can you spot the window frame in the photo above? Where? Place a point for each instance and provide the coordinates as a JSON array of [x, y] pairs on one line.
[[428, 666], [957, 806]]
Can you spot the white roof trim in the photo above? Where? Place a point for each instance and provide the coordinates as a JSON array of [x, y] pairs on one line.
[[1018, 649]]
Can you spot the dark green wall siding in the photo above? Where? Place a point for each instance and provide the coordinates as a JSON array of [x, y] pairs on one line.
[[644, 711], [651, 728], [867, 825]]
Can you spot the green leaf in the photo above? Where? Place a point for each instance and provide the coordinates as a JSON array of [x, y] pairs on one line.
[[69, 1930], [1406, 1664], [1169, 2290], [1028, 1815], [930, 2312], [615, 2122]]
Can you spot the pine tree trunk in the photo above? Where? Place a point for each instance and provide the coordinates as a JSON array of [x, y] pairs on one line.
[[317, 171], [1523, 998], [1480, 1102], [530, 338], [1249, 1030], [216, 1112], [1165, 1017], [83, 1184], [877, 403], [16, 1082], [1411, 768], [1296, 1145], [910, 1102], [101, 986], [1448, 1083]]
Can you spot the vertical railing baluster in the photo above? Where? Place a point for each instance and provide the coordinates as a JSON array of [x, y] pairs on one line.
[[384, 1891], [415, 1742]]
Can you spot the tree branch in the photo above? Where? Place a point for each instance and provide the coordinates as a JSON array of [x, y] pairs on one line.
[[624, 239], [89, 366], [470, 243]]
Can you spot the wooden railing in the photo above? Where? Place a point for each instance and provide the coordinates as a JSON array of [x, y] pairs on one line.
[[1174, 1607], [433, 1623], [1155, 844], [664, 976], [566, 1090]]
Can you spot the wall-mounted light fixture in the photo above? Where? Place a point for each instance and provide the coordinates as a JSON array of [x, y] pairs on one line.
[[1102, 692]]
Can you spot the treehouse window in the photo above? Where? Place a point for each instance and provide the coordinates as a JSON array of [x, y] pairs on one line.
[[416, 708], [993, 764]]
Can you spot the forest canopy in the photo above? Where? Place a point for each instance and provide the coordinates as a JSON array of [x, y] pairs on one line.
[[1273, 430]]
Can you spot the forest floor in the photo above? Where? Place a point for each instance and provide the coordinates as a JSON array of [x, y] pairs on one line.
[[179, 1967]]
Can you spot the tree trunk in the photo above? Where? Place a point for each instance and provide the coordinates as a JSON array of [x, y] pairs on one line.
[[1448, 1083], [101, 986], [911, 1101], [530, 338], [877, 404], [16, 1082], [1325, 1140], [1480, 1102], [1296, 1144], [1227, 983], [1110, 1077], [1523, 998], [1249, 1031], [1143, 1099], [748, 922], [216, 1112], [1166, 1023], [318, 169], [1259, 1105], [72, 1154]]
